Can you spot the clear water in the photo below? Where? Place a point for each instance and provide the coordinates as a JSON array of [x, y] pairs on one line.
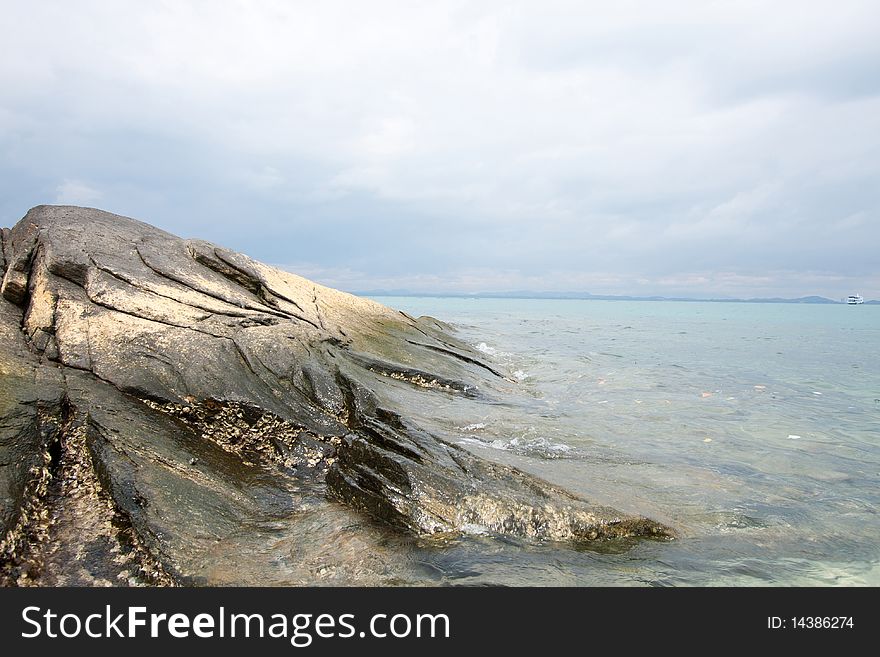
[[753, 429]]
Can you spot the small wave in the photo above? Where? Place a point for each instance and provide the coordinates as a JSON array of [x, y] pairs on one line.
[[506, 359], [732, 521], [492, 351], [536, 447], [476, 426], [737, 522]]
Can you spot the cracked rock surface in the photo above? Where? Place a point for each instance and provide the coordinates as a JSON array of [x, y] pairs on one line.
[[172, 412]]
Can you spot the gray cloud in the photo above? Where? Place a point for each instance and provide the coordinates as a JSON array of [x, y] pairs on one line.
[[727, 148]]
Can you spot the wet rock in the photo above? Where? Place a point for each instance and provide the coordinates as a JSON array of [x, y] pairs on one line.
[[187, 403]]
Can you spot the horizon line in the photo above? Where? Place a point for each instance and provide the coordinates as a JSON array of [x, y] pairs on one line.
[[587, 296]]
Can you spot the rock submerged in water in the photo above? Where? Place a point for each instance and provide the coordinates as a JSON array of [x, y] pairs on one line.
[[168, 403]]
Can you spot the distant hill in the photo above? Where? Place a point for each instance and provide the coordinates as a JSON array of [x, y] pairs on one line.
[[810, 299], [813, 299]]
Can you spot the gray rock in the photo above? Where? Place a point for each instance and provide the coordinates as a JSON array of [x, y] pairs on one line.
[[188, 403], [4, 232]]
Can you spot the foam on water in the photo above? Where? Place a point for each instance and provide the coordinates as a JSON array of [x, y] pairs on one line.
[[534, 447], [476, 426], [486, 349]]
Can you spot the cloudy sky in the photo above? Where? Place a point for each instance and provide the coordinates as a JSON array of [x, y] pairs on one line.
[[696, 148]]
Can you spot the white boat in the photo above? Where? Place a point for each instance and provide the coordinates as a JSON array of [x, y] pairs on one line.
[[855, 299]]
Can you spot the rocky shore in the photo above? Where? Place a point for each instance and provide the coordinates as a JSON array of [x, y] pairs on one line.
[[172, 412]]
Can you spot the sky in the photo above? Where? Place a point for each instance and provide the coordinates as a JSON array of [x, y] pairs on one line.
[[701, 148]]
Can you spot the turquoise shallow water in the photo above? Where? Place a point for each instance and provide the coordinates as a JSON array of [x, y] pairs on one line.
[[754, 429]]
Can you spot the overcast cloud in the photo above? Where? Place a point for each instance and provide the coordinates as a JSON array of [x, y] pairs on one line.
[[697, 148]]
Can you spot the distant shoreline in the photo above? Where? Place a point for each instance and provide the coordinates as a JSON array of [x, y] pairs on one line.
[[563, 296]]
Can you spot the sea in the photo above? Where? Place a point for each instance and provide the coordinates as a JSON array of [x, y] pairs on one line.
[[753, 429]]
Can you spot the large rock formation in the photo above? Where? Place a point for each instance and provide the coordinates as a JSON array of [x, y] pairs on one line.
[[168, 404]]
